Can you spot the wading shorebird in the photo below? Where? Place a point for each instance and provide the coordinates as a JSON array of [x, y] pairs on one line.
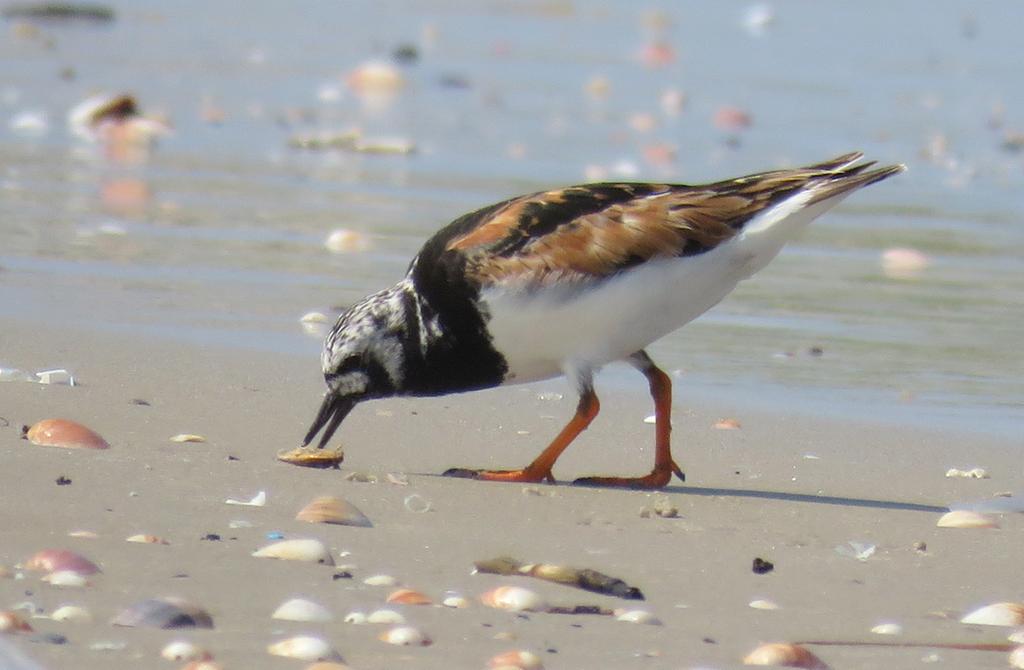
[[563, 282]]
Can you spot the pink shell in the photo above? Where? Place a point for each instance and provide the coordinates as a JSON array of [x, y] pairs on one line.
[[55, 560]]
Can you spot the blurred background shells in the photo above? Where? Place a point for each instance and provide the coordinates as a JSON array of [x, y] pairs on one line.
[[409, 597], [963, 518], [163, 613], [301, 609], [406, 636], [330, 509], [785, 655], [304, 648], [64, 433], [72, 614], [57, 560], [996, 614], [515, 659], [12, 622], [311, 550], [514, 599], [184, 650]]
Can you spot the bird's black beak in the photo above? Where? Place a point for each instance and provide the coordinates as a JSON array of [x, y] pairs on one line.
[[333, 409]]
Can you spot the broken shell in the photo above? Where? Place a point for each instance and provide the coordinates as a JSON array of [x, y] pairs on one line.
[[520, 660], [312, 458], [55, 560], [785, 655], [258, 500], [385, 616], [310, 550], [72, 613], [637, 616], [146, 539], [188, 437], [163, 613], [997, 614], [64, 433], [355, 618], [304, 648], [457, 602], [727, 424], [328, 509], [11, 622], [963, 518], [406, 636], [887, 629], [380, 580], [408, 597], [300, 609], [68, 578], [183, 650], [514, 599], [761, 604]]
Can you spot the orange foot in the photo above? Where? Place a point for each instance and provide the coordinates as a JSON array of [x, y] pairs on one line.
[[525, 475], [657, 479]]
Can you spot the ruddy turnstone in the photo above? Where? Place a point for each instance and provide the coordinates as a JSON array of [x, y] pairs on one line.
[[563, 282]]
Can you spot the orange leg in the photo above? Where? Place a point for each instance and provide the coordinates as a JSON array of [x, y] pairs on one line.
[[540, 469], [664, 466]]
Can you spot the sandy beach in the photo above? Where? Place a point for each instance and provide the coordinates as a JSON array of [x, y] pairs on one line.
[[787, 489]]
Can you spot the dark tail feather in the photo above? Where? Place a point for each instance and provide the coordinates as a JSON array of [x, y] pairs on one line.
[[332, 411]]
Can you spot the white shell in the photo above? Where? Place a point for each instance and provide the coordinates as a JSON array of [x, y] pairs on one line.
[[761, 604], [67, 578], [963, 518], [638, 616], [385, 616], [407, 636], [887, 629], [517, 660], [380, 580], [455, 601], [304, 648], [310, 550], [258, 500], [183, 650], [996, 614], [72, 613], [973, 473], [514, 599], [1016, 636], [785, 655], [300, 609], [1017, 658], [187, 437], [356, 618]]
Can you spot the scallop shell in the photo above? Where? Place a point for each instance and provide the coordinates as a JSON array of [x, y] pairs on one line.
[[380, 580], [514, 599], [312, 458], [520, 660], [785, 655], [356, 618], [183, 650], [71, 613], [304, 648], [963, 518], [406, 636], [67, 578], [163, 613], [638, 616], [310, 550], [328, 509], [409, 597], [762, 604], [456, 602], [64, 433], [146, 539], [300, 609], [996, 614], [54, 560], [385, 616], [887, 629], [12, 622]]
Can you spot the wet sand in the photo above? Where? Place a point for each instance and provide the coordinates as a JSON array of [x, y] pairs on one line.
[[785, 487]]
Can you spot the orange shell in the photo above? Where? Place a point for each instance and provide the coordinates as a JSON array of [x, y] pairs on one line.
[[56, 560], [11, 622], [408, 597], [786, 655], [64, 433], [521, 660]]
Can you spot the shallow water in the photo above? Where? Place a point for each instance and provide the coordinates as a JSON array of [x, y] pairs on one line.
[[229, 250]]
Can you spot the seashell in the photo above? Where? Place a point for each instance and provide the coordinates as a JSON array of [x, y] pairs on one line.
[[385, 616], [903, 263], [304, 648], [205, 664], [355, 618], [731, 119], [997, 614], [64, 433], [406, 636], [343, 241], [183, 650], [973, 473], [1016, 636], [408, 597], [380, 580], [85, 534], [514, 599], [375, 78], [520, 660], [1016, 658], [163, 613], [312, 458], [887, 629], [12, 622], [417, 504], [258, 500], [455, 601], [58, 376], [785, 655], [53, 560], [310, 550], [300, 609], [146, 539], [66, 578], [637, 616], [187, 437], [328, 509], [727, 424], [963, 518], [761, 604], [72, 613]]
